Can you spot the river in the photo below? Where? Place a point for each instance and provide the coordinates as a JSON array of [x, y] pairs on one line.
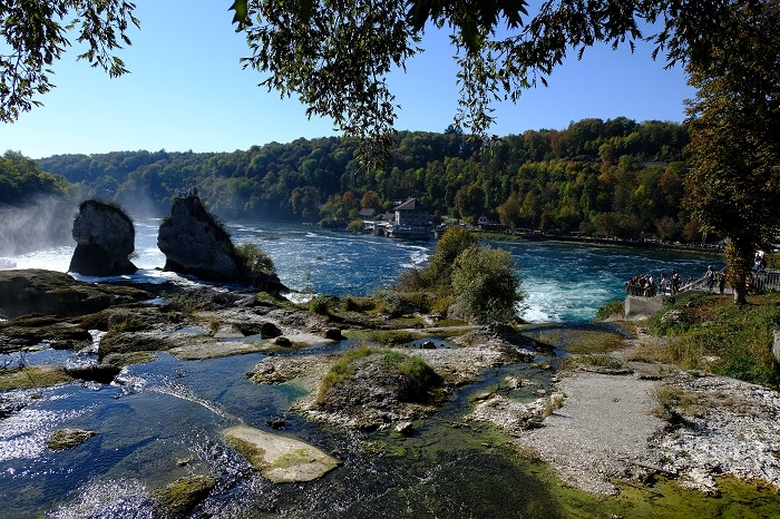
[[161, 420], [563, 282]]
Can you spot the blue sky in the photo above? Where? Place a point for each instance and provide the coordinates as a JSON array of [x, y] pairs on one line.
[[187, 91]]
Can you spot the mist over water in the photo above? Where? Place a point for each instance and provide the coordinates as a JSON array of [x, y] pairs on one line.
[[562, 282], [42, 223]]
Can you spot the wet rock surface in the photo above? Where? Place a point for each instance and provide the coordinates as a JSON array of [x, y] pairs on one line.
[[68, 438], [279, 458], [56, 293]]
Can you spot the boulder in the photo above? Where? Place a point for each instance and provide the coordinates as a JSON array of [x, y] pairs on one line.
[[333, 334], [279, 458], [194, 243], [105, 238], [103, 373]]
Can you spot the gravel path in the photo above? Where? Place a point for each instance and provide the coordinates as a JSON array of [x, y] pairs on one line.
[[601, 431]]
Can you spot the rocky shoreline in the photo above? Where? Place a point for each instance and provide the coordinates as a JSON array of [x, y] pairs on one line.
[[594, 427]]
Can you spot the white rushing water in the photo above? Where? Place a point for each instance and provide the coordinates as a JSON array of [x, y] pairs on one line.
[[562, 282]]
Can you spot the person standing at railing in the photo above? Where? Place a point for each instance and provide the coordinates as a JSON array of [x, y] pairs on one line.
[[709, 278], [675, 282]]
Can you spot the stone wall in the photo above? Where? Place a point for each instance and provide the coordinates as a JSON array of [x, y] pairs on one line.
[[639, 307]]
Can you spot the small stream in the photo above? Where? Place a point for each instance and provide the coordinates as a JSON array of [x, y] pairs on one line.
[[161, 421]]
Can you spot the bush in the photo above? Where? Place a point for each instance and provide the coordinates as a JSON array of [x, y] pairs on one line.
[[319, 305], [612, 308], [484, 285], [251, 259]]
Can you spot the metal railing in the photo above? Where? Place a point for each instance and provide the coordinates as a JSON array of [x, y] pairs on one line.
[[762, 280]]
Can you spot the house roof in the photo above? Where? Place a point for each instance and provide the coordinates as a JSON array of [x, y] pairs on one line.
[[410, 205], [367, 212]]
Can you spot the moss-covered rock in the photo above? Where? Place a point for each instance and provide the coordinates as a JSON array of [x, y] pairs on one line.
[[181, 496], [371, 387], [129, 342], [278, 458], [33, 376], [64, 439]]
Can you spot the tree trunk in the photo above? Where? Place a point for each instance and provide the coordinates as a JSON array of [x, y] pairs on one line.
[[739, 258]]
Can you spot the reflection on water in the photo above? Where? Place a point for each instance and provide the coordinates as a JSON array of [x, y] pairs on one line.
[[161, 421]]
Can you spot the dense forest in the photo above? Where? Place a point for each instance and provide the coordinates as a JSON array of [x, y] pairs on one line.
[[615, 177]]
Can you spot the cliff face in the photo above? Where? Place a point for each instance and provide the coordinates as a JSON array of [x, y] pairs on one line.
[[193, 242], [105, 237]]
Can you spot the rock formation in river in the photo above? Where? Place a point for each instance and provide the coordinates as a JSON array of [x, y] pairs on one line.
[[194, 243], [105, 238]]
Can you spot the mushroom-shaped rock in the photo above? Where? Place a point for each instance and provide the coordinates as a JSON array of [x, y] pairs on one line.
[[279, 458], [194, 243], [105, 238]]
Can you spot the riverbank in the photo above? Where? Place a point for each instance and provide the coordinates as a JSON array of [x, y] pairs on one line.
[[595, 241], [586, 400], [645, 420]]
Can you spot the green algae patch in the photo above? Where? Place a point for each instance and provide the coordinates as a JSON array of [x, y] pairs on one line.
[[666, 499], [181, 496], [28, 377], [279, 458], [581, 341]]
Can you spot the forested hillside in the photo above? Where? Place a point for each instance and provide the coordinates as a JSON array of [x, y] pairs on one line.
[[615, 177]]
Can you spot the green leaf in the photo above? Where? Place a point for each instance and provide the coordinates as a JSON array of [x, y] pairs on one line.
[[241, 10]]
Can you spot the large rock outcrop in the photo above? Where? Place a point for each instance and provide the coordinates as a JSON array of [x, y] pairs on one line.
[[194, 243], [56, 293], [105, 238]]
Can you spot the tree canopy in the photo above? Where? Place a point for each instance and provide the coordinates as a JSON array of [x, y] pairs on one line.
[[734, 183], [335, 55], [35, 35]]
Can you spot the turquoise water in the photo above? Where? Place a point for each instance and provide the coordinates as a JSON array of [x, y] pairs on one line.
[[562, 282]]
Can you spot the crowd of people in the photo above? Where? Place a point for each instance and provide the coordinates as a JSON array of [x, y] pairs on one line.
[[645, 285]]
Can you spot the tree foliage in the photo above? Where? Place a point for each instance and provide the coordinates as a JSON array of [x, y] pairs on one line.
[[35, 34], [336, 55], [734, 184], [615, 177], [22, 180]]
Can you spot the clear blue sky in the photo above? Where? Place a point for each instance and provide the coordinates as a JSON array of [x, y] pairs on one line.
[[187, 91]]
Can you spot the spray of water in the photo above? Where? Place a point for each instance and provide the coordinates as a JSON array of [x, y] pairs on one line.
[[44, 222]]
